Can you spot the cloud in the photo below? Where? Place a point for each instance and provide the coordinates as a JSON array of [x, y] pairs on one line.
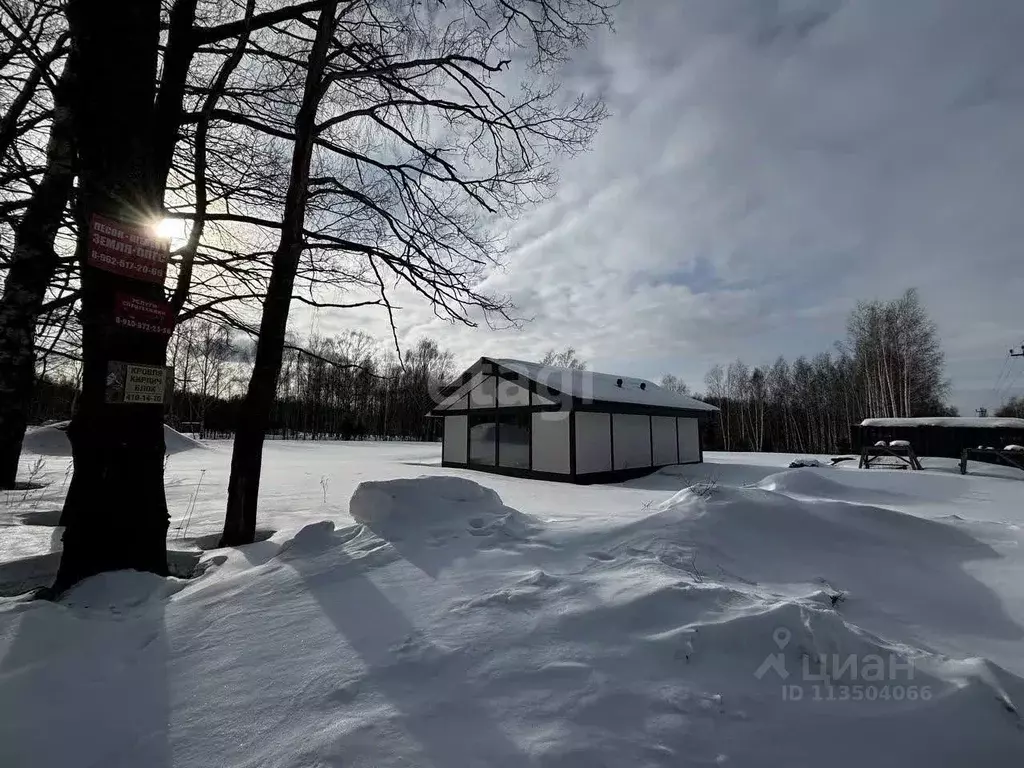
[[767, 164]]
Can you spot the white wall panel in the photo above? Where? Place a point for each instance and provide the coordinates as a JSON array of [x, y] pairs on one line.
[[454, 448], [664, 440], [632, 435], [689, 441], [594, 442], [550, 435], [510, 393]]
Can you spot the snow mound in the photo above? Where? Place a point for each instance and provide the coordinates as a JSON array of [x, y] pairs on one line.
[[179, 443], [813, 646], [436, 508], [822, 486], [733, 626], [120, 592], [52, 440], [811, 512], [770, 540], [1014, 448]]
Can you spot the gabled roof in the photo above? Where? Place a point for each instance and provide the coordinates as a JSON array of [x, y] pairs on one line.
[[589, 386], [603, 387]]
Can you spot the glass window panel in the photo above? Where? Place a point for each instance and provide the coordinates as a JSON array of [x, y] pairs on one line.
[[482, 443], [484, 395], [514, 437]]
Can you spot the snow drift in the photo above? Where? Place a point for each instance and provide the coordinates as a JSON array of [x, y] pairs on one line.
[[52, 440], [440, 626], [436, 508]]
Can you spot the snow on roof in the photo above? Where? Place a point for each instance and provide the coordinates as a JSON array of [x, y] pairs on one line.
[[947, 421], [590, 385]]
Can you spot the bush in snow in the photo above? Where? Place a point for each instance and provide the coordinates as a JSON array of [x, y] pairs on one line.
[[804, 463], [703, 488]]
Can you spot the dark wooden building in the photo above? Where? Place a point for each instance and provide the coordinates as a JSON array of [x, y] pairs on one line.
[[941, 436]]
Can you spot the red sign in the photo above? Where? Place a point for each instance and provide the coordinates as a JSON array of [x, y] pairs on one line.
[[139, 314], [127, 250]]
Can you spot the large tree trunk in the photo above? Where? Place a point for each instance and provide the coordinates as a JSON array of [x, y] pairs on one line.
[[247, 454], [116, 512], [32, 267]]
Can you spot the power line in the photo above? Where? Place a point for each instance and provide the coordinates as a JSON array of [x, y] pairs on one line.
[[999, 380], [1003, 383]]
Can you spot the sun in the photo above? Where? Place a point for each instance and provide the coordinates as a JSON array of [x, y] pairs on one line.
[[170, 229]]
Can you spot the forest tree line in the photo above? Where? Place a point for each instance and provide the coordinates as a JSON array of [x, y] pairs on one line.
[[346, 387], [890, 365], [352, 386]]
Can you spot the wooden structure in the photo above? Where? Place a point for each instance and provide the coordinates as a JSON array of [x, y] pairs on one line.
[[871, 456], [992, 456], [945, 436]]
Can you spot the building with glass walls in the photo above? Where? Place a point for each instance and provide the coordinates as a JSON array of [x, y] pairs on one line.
[[525, 419]]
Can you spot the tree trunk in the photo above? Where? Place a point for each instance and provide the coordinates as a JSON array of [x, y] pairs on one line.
[[32, 266], [247, 453], [116, 512]]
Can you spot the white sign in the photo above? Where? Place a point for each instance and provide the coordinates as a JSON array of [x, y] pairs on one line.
[[144, 384], [137, 384]]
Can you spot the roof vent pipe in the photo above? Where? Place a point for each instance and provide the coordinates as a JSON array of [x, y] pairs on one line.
[[643, 385], [618, 382]]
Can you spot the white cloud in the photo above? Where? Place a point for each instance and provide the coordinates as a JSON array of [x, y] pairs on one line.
[[767, 164]]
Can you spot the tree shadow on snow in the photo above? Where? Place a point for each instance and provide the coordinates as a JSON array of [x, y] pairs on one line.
[[49, 518], [427, 684], [86, 684]]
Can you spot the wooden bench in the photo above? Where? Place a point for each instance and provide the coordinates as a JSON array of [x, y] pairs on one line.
[[871, 454], [1008, 458]]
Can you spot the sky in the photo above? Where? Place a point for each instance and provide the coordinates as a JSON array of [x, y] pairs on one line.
[[766, 164]]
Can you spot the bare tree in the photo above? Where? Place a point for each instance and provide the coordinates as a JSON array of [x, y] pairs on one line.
[[391, 191], [126, 132], [1012, 408], [247, 456], [890, 365], [674, 384], [567, 358], [37, 39], [897, 352], [714, 380]]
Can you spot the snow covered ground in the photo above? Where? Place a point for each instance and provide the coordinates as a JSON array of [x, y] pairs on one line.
[[402, 614]]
